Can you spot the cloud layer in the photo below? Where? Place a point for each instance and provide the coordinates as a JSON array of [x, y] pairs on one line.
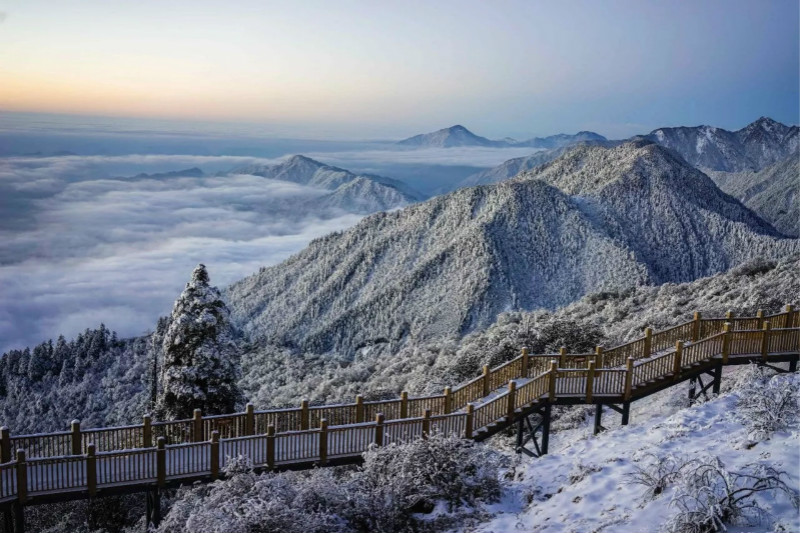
[[78, 248]]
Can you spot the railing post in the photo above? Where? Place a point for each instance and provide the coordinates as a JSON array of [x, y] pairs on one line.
[[161, 462], [379, 429], [678, 363], [249, 419], [512, 395], [553, 376], [696, 326], [22, 477], [765, 340], [469, 422], [525, 362], [214, 454], [304, 415], [91, 470], [403, 404], [598, 351], [726, 342], [487, 376], [448, 400], [629, 379], [789, 316], [323, 441], [426, 423], [359, 409], [75, 426], [147, 431], [760, 317], [5, 445], [271, 447], [197, 426], [590, 381], [729, 315], [648, 342], [562, 356]]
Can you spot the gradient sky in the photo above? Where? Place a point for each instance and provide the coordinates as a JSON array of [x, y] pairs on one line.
[[391, 69]]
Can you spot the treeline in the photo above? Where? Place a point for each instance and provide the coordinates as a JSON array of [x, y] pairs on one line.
[[95, 377]]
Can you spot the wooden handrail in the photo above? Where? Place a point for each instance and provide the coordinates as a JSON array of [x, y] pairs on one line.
[[412, 418]]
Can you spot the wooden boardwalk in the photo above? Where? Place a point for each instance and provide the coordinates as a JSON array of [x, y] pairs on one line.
[[81, 463]]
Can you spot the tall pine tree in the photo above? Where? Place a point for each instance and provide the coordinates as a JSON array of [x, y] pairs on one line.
[[198, 366]]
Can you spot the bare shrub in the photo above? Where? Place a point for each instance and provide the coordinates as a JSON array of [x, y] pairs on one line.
[[709, 496], [767, 405], [657, 474]]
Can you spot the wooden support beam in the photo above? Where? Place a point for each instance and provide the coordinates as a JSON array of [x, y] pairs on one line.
[[629, 379], [161, 461], [75, 437], [726, 342], [512, 398], [359, 409], [525, 362], [304, 415], [562, 357], [5, 445], [590, 381], [323, 442], [403, 405], [789, 310], [249, 419], [379, 429], [696, 326], [765, 335], [147, 432], [487, 376], [553, 377], [448, 400], [22, 477], [197, 426], [470, 421], [599, 356], [214, 459], [760, 317], [91, 470], [648, 343], [678, 362], [271, 447]]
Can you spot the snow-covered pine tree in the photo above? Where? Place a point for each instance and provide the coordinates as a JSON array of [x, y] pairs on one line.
[[198, 368]]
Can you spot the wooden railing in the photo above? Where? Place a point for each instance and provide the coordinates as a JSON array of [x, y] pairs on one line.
[[201, 447]]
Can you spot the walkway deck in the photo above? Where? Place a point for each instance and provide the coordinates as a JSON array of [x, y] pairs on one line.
[[82, 463]]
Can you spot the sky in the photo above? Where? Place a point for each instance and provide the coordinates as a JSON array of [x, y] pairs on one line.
[[391, 69]]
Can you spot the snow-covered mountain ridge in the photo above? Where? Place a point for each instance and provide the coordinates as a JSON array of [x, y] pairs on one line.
[[751, 148], [358, 193], [460, 136], [594, 219]]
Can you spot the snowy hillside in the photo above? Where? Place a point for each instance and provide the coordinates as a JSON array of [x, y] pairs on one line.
[[773, 193], [593, 220], [589, 483], [512, 167], [356, 193], [278, 375], [751, 148]]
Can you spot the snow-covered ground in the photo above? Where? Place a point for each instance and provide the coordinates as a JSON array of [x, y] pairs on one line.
[[584, 485]]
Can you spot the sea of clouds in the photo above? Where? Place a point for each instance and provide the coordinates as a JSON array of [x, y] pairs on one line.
[[78, 248], [84, 239]]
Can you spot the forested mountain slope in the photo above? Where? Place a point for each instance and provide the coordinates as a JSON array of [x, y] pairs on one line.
[[773, 193], [594, 219]]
